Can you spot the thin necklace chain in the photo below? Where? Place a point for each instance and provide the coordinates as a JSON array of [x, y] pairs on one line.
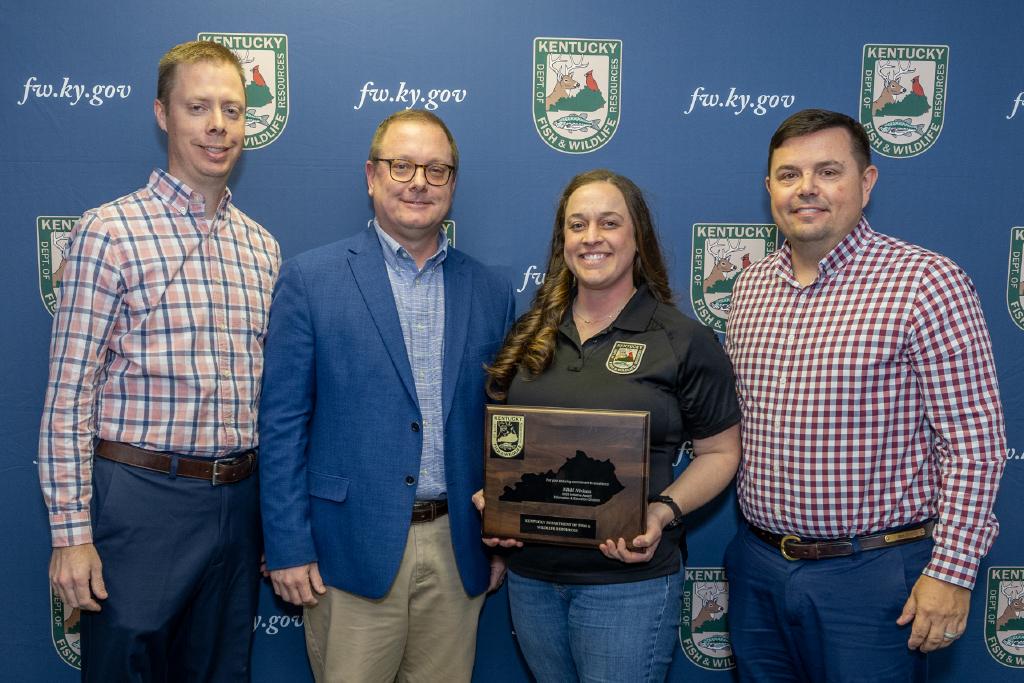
[[580, 317]]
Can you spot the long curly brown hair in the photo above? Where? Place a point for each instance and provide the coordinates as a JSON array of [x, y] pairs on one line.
[[530, 344]]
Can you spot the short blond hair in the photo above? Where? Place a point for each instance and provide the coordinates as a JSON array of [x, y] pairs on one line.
[[190, 53]]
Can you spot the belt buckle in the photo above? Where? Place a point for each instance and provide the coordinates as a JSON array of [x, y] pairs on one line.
[[214, 479], [782, 546]]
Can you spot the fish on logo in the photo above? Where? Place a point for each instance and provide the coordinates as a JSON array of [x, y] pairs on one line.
[[576, 122], [901, 127]]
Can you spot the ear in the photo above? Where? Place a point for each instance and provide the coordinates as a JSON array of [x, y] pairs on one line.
[[768, 184], [161, 115], [369, 176], [868, 180]]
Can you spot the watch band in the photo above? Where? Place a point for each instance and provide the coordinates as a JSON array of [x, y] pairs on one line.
[[677, 518]]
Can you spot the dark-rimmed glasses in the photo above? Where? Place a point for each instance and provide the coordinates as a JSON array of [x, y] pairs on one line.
[[403, 170]]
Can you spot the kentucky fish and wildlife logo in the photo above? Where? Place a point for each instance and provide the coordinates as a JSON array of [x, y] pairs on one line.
[[1014, 281], [703, 623], [625, 357], [508, 432], [576, 92], [1004, 615], [65, 631], [903, 97], [720, 252], [264, 58], [52, 234]]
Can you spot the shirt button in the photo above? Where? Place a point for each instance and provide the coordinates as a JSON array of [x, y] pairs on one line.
[[410, 480], [778, 425], [415, 426], [782, 381], [225, 374]]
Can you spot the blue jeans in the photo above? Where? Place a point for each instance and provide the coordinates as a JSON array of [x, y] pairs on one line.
[[828, 620], [610, 633]]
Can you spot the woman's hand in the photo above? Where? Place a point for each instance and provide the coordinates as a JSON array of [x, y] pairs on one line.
[[480, 503], [643, 547]]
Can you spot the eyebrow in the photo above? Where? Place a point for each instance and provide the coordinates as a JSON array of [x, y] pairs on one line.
[[817, 166], [600, 215]]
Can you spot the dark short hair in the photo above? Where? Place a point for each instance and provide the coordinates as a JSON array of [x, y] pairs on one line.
[[417, 115], [190, 53], [813, 120]]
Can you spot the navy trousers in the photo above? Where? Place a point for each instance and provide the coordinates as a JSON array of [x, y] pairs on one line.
[[181, 564], [822, 620]]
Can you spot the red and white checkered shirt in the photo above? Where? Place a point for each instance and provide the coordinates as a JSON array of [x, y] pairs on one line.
[[157, 339], [869, 399]]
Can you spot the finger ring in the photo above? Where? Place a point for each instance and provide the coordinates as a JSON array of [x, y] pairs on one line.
[[946, 635]]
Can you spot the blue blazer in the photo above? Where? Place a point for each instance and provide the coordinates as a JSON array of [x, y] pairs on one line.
[[340, 442]]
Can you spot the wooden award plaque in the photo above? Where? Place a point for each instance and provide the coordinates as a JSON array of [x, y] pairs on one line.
[[565, 476]]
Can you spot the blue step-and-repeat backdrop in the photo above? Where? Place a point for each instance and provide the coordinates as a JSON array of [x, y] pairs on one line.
[[680, 96]]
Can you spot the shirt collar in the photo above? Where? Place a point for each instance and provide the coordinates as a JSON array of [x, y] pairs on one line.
[[834, 261], [634, 317], [179, 196], [395, 253]]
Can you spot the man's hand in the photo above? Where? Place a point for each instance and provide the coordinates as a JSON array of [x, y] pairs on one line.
[[480, 503], [298, 585], [76, 573], [937, 608], [498, 566]]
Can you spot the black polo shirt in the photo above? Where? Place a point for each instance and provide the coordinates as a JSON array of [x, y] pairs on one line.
[[652, 358]]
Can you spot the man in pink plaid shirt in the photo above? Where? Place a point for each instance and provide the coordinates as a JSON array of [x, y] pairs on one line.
[[148, 437], [873, 436]]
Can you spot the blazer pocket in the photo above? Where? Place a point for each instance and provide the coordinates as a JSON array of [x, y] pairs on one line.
[[327, 486]]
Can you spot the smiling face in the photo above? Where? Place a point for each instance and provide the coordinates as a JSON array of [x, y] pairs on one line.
[[204, 119], [818, 191], [600, 244], [411, 212]]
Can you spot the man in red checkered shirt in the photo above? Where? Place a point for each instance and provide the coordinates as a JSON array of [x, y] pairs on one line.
[[873, 437]]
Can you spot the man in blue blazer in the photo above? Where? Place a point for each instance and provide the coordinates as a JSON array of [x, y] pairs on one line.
[[371, 426]]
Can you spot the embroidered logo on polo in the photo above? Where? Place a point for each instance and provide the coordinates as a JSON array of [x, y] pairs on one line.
[[703, 622], [1004, 615], [719, 253], [264, 58], [52, 234], [1014, 281], [625, 357], [64, 630], [576, 92], [508, 433], [903, 97]]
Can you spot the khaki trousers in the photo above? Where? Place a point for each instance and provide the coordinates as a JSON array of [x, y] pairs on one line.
[[424, 629]]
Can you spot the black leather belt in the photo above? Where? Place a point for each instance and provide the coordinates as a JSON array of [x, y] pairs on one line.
[[220, 471], [794, 548], [428, 510]]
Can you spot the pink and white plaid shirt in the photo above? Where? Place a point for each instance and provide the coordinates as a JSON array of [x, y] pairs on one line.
[[157, 339], [869, 399]]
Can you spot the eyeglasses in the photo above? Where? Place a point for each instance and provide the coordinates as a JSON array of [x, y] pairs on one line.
[[402, 171]]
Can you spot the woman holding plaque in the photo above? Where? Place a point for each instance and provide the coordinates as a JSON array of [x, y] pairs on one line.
[[602, 333]]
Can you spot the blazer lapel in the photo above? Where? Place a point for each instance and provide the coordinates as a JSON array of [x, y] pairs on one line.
[[370, 273], [458, 286]]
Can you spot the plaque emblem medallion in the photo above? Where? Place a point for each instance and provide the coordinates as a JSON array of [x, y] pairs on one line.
[[507, 435]]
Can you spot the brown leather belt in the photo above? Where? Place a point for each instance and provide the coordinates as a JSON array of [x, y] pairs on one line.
[[793, 548], [428, 510], [217, 472]]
